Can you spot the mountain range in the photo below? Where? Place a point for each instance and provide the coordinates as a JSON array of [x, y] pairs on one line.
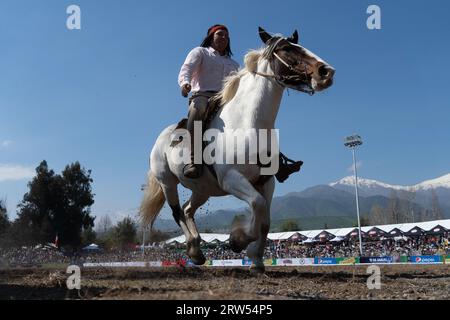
[[333, 205]]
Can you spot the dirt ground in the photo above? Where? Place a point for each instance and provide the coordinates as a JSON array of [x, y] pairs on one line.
[[330, 282]]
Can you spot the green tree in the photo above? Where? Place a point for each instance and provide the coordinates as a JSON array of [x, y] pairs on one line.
[[158, 236], [365, 222], [289, 225], [4, 221], [57, 205], [377, 215], [436, 211], [125, 232], [88, 236]]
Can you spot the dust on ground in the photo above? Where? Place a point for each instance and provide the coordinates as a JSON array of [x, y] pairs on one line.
[[315, 282]]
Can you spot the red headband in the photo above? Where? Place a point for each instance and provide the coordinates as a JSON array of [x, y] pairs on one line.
[[217, 28]]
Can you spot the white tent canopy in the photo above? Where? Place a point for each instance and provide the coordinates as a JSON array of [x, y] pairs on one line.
[[310, 234], [92, 246]]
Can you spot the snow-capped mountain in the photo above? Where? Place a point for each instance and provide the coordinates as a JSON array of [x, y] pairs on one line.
[[441, 182], [420, 193]]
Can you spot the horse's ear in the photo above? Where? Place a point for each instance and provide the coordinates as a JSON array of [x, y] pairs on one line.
[[294, 37], [264, 35]]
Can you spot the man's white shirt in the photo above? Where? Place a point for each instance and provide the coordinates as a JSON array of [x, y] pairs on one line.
[[205, 69]]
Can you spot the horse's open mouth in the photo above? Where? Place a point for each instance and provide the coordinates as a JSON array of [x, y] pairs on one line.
[[307, 87]]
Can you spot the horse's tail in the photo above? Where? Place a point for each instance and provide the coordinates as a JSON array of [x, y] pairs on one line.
[[153, 200]]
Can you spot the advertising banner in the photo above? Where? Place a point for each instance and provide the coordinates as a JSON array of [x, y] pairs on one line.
[[447, 259], [227, 263], [169, 263], [270, 262], [189, 263], [346, 261], [115, 264], [304, 261], [208, 263], [376, 260], [267, 262], [154, 264], [425, 259], [399, 259], [285, 262], [246, 262], [325, 261]]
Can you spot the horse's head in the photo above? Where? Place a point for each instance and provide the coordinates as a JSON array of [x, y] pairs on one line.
[[295, 66]]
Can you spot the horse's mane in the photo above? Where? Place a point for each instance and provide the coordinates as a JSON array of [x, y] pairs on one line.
[[251, 59], [231, 83]]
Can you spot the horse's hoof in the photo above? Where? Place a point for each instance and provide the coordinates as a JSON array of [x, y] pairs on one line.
[[239, 240], [199, 261], [256, 270], [236, 246], [197, 257]]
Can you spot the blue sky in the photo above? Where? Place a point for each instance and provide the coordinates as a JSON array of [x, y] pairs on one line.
[[101, 95]]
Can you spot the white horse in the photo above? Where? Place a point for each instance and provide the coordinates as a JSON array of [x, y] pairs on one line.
[[250, 99]]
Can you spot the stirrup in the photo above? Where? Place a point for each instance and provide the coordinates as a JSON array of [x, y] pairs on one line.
[[287, 167]]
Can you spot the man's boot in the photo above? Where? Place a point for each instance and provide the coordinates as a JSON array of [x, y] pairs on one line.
[[287, 167], [191, 170]]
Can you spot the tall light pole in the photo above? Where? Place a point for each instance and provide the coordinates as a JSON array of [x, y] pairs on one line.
[[143, 241], [144, 228], [353, 142]]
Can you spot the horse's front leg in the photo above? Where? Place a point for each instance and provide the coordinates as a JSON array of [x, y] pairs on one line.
[[237, 184], [256, 249], [193, 244]]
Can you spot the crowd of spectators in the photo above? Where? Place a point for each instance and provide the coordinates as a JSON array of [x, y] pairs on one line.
[[32, 256], [372, 248], [42, 255]]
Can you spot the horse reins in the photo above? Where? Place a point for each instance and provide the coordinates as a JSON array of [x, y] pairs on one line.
[[281, 79]]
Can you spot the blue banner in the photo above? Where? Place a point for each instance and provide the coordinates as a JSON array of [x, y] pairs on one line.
[[325, 261], [424, 259], [246, 262], [376, 260]]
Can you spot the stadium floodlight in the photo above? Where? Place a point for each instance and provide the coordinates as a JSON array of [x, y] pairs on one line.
[[352, 142]]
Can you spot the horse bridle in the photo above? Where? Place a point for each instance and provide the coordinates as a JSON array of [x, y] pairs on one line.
[[299, 76]]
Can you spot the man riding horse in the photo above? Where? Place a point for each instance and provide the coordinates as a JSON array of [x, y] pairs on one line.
[[203, 73], [249, 100]]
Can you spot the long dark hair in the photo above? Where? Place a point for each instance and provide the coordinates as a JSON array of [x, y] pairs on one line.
[[209, 39]]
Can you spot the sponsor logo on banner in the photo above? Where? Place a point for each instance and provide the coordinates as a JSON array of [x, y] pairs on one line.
[[227, 263], [269, 262], [246, 262], [305, 261], [325, 261], [295, 262], [347, 261], [116, 264], [154, 263], [376, 260], [425, 259]]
